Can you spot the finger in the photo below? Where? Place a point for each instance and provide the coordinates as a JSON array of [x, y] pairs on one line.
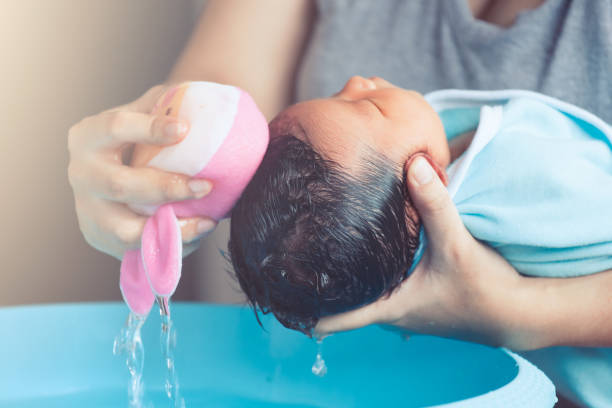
[[354, 319], [403, 332], [113, 228], [147, 101], [109, 227], [134, 185], [91, 230], [120, 229], [433, 203], [193, 229], [117, 128]]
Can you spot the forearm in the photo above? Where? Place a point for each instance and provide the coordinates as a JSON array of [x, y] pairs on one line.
[[253, 44], [561, 311]]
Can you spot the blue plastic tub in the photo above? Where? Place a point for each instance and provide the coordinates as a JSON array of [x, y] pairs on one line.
[[61, 356]]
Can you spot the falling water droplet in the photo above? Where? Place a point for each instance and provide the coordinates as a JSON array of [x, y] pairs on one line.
[[319, 368]]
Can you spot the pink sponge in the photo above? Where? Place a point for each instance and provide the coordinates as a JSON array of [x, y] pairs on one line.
[[227, 139]]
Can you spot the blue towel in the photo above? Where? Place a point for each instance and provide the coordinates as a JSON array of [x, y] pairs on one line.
[[536, 182]]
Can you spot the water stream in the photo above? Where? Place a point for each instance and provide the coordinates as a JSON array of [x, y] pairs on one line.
[[129, 343], [168, 345]]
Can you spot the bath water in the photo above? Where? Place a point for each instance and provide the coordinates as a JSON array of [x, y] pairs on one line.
[[205, 397], [319, 368], [129, 343]]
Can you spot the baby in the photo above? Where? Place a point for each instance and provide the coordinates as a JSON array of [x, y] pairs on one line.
[[326, 224]]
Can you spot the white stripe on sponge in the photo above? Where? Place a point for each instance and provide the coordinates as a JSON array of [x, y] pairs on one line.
[[194, 152]]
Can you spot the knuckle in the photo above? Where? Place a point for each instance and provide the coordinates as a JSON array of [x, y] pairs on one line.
[[172, 187], [460, 253], [117, 122], [80, 221], [437, 203], [87, 229], [90, 239], [156, 89], [156, 129], [117, 186], [127, 234], [72, 175], [392, 315], [73, 136], [455, 251]]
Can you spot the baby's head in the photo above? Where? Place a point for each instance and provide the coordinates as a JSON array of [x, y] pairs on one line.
[[326, 224]]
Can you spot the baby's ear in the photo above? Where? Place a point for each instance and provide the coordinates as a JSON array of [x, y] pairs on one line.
[[438, 169]]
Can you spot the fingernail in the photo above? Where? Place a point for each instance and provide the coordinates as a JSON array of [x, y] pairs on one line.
[[175, 129], [422, 173], [199, 187], [204, 226]]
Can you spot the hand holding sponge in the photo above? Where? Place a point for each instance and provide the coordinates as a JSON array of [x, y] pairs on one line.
[[225, 144]]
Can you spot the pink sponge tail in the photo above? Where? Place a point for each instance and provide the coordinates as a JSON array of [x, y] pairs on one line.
[[162, 251], [133, 283], [155, 268]]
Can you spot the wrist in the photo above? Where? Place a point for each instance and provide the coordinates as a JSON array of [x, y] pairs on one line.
[[527, 321], [508, 313]]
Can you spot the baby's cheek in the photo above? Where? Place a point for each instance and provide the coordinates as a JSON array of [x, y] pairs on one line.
[[168, 104]]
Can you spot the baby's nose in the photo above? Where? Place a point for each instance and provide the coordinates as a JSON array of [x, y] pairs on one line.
[[358, 84], [381, 83]]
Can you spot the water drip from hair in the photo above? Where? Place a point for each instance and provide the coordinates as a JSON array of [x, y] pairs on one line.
[[319, 368]]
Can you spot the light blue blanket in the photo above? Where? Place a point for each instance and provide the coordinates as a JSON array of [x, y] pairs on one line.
[[538, 188], [536, 182]]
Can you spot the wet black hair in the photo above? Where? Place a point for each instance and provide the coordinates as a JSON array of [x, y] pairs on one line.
[[308, 239]]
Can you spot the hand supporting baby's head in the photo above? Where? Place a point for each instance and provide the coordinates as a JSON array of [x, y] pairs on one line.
[[326, 224]]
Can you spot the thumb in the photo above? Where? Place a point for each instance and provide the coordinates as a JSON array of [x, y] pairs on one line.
[[432, 201], [353, 319], [147, 101]]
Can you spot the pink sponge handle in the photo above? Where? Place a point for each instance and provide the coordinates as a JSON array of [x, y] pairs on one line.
[[226, 142], [162, 251], [134, 285]]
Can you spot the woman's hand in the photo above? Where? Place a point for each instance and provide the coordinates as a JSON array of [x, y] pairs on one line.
[[464, 289], [103, 184], [461, 288]]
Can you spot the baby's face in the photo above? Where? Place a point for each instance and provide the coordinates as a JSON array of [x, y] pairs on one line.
[[366, 114]]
